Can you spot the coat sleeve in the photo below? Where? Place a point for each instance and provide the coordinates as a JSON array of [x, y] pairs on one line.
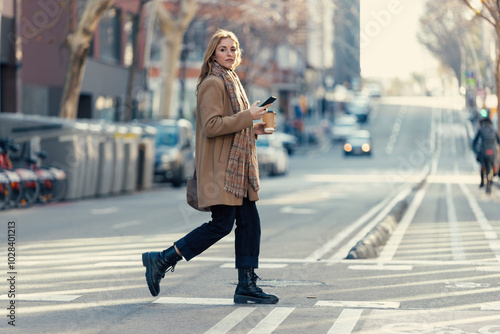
[[211, 110]]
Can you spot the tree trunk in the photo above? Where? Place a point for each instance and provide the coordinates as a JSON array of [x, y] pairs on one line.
[[171, 52], [79, 47], [173, 30], [129, 99]]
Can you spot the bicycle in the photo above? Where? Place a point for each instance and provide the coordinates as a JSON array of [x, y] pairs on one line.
[[24, 186], [489, 172], [4, 191], [51, 180]]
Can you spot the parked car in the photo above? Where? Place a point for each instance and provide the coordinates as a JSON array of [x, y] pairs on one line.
[[343, 127], [289, 141], [272, 155], [360, 106], [358, 143], [174, 151]]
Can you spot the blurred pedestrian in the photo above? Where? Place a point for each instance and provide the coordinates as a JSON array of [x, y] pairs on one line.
[[485, 145], [227, 172]]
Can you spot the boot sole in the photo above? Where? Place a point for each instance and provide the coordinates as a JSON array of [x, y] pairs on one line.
[[239, 299], [146, 263]]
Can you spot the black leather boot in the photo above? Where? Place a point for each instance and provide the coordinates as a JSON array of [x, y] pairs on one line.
[[157, 264], [248, 291]]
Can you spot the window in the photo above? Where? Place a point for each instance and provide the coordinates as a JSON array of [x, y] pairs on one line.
[[110, 36], [128, 29]]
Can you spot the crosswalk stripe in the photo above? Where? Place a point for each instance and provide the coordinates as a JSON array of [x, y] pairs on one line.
[[42, 297], [194, 301], [357, 304], [261, 265], [231, 320], [272, 320], [346, 321], [491, 307]]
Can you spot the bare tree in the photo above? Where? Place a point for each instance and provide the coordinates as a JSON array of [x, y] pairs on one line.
[[261, 28], [78, 43], [489, 10], [173, 28], [442, 33]]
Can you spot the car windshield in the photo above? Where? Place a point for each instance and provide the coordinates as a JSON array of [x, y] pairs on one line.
[[167, 135]]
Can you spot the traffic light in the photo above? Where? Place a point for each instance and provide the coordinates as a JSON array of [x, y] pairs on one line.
[[484, 112]]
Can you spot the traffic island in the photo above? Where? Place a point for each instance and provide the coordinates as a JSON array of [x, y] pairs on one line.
[[376, 238]]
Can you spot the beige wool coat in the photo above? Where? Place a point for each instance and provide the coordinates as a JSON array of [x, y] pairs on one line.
[[216, 125]]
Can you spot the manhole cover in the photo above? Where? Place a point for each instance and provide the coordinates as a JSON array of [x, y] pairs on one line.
[[284, 283]]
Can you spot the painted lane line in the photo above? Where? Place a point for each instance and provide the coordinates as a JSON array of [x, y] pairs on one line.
[[194, 301], [343, 251], [357, 304], [334, 242], [272, 320], [381, 267], [104, 211], [457, 249], [234, 318], [489, 232], [392, 245], [127, 224], [43, 297], [346, 321], [298, 211]]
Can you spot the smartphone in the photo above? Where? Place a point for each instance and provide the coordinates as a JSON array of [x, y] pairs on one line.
[[268, 101]]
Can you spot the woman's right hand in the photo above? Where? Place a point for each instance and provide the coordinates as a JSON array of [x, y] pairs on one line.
[[257, 112]]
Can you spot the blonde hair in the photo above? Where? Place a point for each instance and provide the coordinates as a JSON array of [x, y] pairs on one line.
[[208, 59]]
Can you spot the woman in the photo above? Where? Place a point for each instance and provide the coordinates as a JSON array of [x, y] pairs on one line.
[[227, 172]]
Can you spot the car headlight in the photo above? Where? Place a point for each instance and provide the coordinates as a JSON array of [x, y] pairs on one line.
[[166, 158], [347, 147], [365, 148]]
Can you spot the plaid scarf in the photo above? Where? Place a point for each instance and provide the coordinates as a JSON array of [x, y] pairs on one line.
[[242, 168]]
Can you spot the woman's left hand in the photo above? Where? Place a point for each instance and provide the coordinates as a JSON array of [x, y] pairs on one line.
[[258, 128]]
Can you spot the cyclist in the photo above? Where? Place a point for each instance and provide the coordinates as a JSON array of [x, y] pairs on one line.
[[485, 146]]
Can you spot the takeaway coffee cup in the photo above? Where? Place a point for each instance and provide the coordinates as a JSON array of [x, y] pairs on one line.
[[270, 119]]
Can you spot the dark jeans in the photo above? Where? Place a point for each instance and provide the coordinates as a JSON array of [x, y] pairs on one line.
[[247, 233]]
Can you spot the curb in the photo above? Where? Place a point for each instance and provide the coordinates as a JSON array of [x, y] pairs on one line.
[[371, 244]]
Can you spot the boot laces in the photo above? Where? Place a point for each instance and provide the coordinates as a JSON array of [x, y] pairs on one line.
[[171, 269], [255, 277]]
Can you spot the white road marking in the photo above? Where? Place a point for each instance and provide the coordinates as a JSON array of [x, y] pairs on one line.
[[489, 232], [491, 307], [357, 304], [385, 209], [381, 267], [457, 249], [424, 263], [234, 318], [261, 265], [334, 242], [194, 301], [392, 245], [104, 211], [272, 320], [43, 297], [127, 224], [298, 211], [346, 321]]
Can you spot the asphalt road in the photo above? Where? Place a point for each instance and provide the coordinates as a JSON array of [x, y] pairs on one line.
[[78, 266]]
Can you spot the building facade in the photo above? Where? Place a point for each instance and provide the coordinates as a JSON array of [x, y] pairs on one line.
[[347, 70]]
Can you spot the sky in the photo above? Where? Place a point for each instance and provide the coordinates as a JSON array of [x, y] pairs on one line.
[[389, 46]]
